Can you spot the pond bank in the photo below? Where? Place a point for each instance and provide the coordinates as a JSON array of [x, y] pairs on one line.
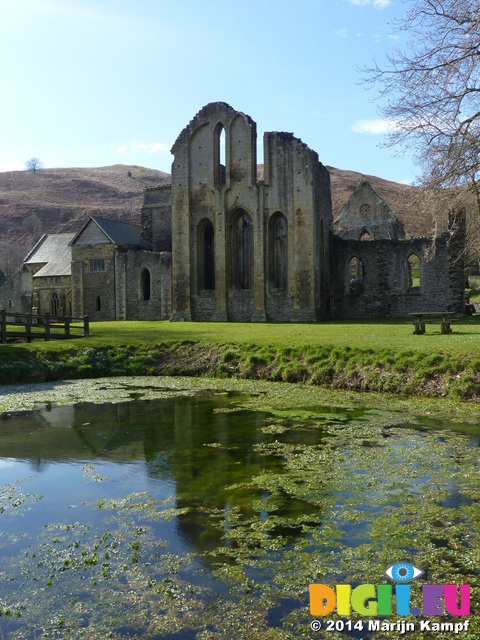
[[406, 372]]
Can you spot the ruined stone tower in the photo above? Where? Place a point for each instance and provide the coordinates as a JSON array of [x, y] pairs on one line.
[[247, 249]]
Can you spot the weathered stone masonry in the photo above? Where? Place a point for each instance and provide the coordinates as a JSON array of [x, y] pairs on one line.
[[253, 250], [220, 244], [268, 240], [385, 288]]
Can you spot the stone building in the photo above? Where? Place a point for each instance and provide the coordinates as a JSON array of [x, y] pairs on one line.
[[114, 277], [221, 244], [49, 265], [43, 285]]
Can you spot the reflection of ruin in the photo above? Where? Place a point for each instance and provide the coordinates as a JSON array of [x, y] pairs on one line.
[[202, 472], [194, 447]]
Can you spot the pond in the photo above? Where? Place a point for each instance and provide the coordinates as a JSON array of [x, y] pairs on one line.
[[200, 517]]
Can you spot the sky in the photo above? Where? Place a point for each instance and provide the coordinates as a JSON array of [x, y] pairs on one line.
[[90, 83]]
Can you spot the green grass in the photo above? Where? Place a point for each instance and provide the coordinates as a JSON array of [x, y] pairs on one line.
[[374, 334], [376, 355], [474, 295]]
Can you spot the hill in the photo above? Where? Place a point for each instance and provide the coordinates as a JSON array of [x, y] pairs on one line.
[[61, 200], [57, 200]]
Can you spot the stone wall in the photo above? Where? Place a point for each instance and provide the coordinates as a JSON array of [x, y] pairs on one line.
[[136, 284], [143, 285], [94, 292], [156, 216], [383, 286], [16, 293], [43, 290]]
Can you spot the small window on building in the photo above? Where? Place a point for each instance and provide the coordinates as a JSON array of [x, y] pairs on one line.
[[365, 235], [10, 304], [97, 265], [219, 156], [145, 284], [98, 303], [413, 273], [355, 276], [54, 304]]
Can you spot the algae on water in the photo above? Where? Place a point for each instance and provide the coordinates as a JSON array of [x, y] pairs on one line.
[[199, 512]]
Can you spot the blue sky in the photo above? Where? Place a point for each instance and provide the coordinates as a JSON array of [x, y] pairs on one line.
[[88, 83]]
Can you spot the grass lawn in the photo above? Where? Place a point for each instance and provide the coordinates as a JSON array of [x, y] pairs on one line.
[[377, 335], [375, 355]]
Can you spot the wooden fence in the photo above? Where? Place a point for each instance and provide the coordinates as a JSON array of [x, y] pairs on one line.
[[30, 326]]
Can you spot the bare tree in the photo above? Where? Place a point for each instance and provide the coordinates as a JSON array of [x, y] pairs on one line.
[[33, 165], [430, 92]]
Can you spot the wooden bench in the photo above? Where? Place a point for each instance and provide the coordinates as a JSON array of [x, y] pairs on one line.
[[443, 318]]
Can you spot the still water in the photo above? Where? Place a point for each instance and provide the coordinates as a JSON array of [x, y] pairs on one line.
[[187, 518]]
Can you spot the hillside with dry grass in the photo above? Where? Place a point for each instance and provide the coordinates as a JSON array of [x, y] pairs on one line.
[[62, 200], [56, 200]]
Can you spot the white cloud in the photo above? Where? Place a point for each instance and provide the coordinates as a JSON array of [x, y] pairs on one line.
[[341, 33], [149, 147], [378, 4], [11, 165], [374, 127]]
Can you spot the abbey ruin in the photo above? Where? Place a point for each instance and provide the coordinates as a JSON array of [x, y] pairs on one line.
[[221, 243]]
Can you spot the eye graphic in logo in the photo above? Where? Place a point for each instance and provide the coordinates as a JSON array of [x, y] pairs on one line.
[[403, 572]]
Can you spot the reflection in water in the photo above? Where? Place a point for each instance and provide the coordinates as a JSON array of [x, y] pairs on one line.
[[185, 501], [199, 446]]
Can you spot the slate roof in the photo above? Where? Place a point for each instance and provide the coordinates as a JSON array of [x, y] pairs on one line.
[[123, 234], [54, 252]]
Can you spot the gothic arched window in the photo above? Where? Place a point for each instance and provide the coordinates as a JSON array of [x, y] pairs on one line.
[[206, 255], [219, 155], [241, 245], [145, 284], [355, 276], [54, 304], [278, 251], [413, 273]]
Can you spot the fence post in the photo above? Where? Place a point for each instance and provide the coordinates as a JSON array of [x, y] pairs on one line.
[[28, 327], [47, 326], [67, 326], [3, 317], [86, 327]]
